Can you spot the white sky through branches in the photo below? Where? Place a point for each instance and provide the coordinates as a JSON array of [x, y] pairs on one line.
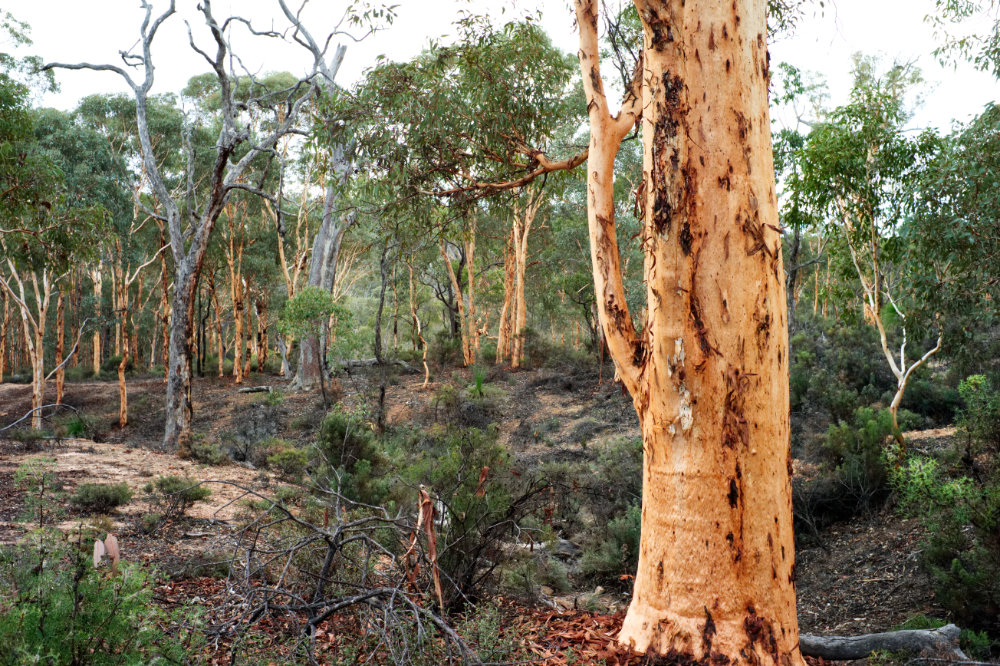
[[73, 31]]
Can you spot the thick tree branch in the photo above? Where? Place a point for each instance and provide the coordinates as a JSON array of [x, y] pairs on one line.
[[606, 134]]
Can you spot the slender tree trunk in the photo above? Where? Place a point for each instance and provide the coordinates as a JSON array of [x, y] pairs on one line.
[[521, 230], [234, 258], [98, 278], [509, 310], [116, 286], [60, 345], [417, 327], [260, 307], [815, 286], [4, 326], [283, 352], [379, 356], [471, 321], [220, 351], [708, 373], [247, 298], [122, 391], [793, 274], [468, 356], [164, 305]]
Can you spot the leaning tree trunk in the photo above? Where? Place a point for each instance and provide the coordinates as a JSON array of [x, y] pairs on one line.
[[708, 373]]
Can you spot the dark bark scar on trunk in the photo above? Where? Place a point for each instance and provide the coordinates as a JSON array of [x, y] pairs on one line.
[[735, 427]]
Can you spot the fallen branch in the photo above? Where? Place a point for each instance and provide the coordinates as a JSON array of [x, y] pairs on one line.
[[371, 362], [32, 411], [256, 389], [943, 641]]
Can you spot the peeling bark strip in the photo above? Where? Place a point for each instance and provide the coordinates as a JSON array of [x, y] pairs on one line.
[[715, 581]]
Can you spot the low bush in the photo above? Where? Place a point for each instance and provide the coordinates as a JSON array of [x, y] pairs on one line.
[[479, 503], [854, 472], [445, 350], [56, 608], [979, 417], [111, 363], [208, 452], [290, 462], [350, 458], [177, 493], [101, 497], [81, 425], [617, 554], [962, 547]]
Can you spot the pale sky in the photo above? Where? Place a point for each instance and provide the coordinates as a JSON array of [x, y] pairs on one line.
[[95, 30]]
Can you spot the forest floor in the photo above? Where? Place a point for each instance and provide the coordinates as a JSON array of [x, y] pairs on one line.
[[857, 577]]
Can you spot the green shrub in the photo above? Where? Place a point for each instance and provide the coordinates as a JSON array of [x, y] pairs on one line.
[[179, 493], [476, 520], [208, 452], [854, 473], [962, 547], [82, 426], [857, 451], [111, 363], [617, 554], [932, 398], [980, 415], [349, 457], [274, 397], [290, 462], [101, 497], [29, 437], [43, 490], [56, 608], [445, 350]]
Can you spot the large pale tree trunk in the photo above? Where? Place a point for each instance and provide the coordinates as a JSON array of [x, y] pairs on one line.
[[323, 265], [179, 412], [708, 373]]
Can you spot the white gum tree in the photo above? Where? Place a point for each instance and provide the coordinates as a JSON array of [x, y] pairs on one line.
[[708, 371]]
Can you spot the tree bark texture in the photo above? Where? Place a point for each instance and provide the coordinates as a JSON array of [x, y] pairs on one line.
[[708, 374]]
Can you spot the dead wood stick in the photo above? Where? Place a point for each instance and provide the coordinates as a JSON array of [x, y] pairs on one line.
[[255, 389], [943, 641]]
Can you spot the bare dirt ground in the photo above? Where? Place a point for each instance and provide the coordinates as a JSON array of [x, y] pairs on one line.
[[861, 577], [79, 461]]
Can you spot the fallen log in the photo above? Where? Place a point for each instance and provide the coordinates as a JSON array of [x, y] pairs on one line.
[[352, 364], [255, 389], [940, 642]]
